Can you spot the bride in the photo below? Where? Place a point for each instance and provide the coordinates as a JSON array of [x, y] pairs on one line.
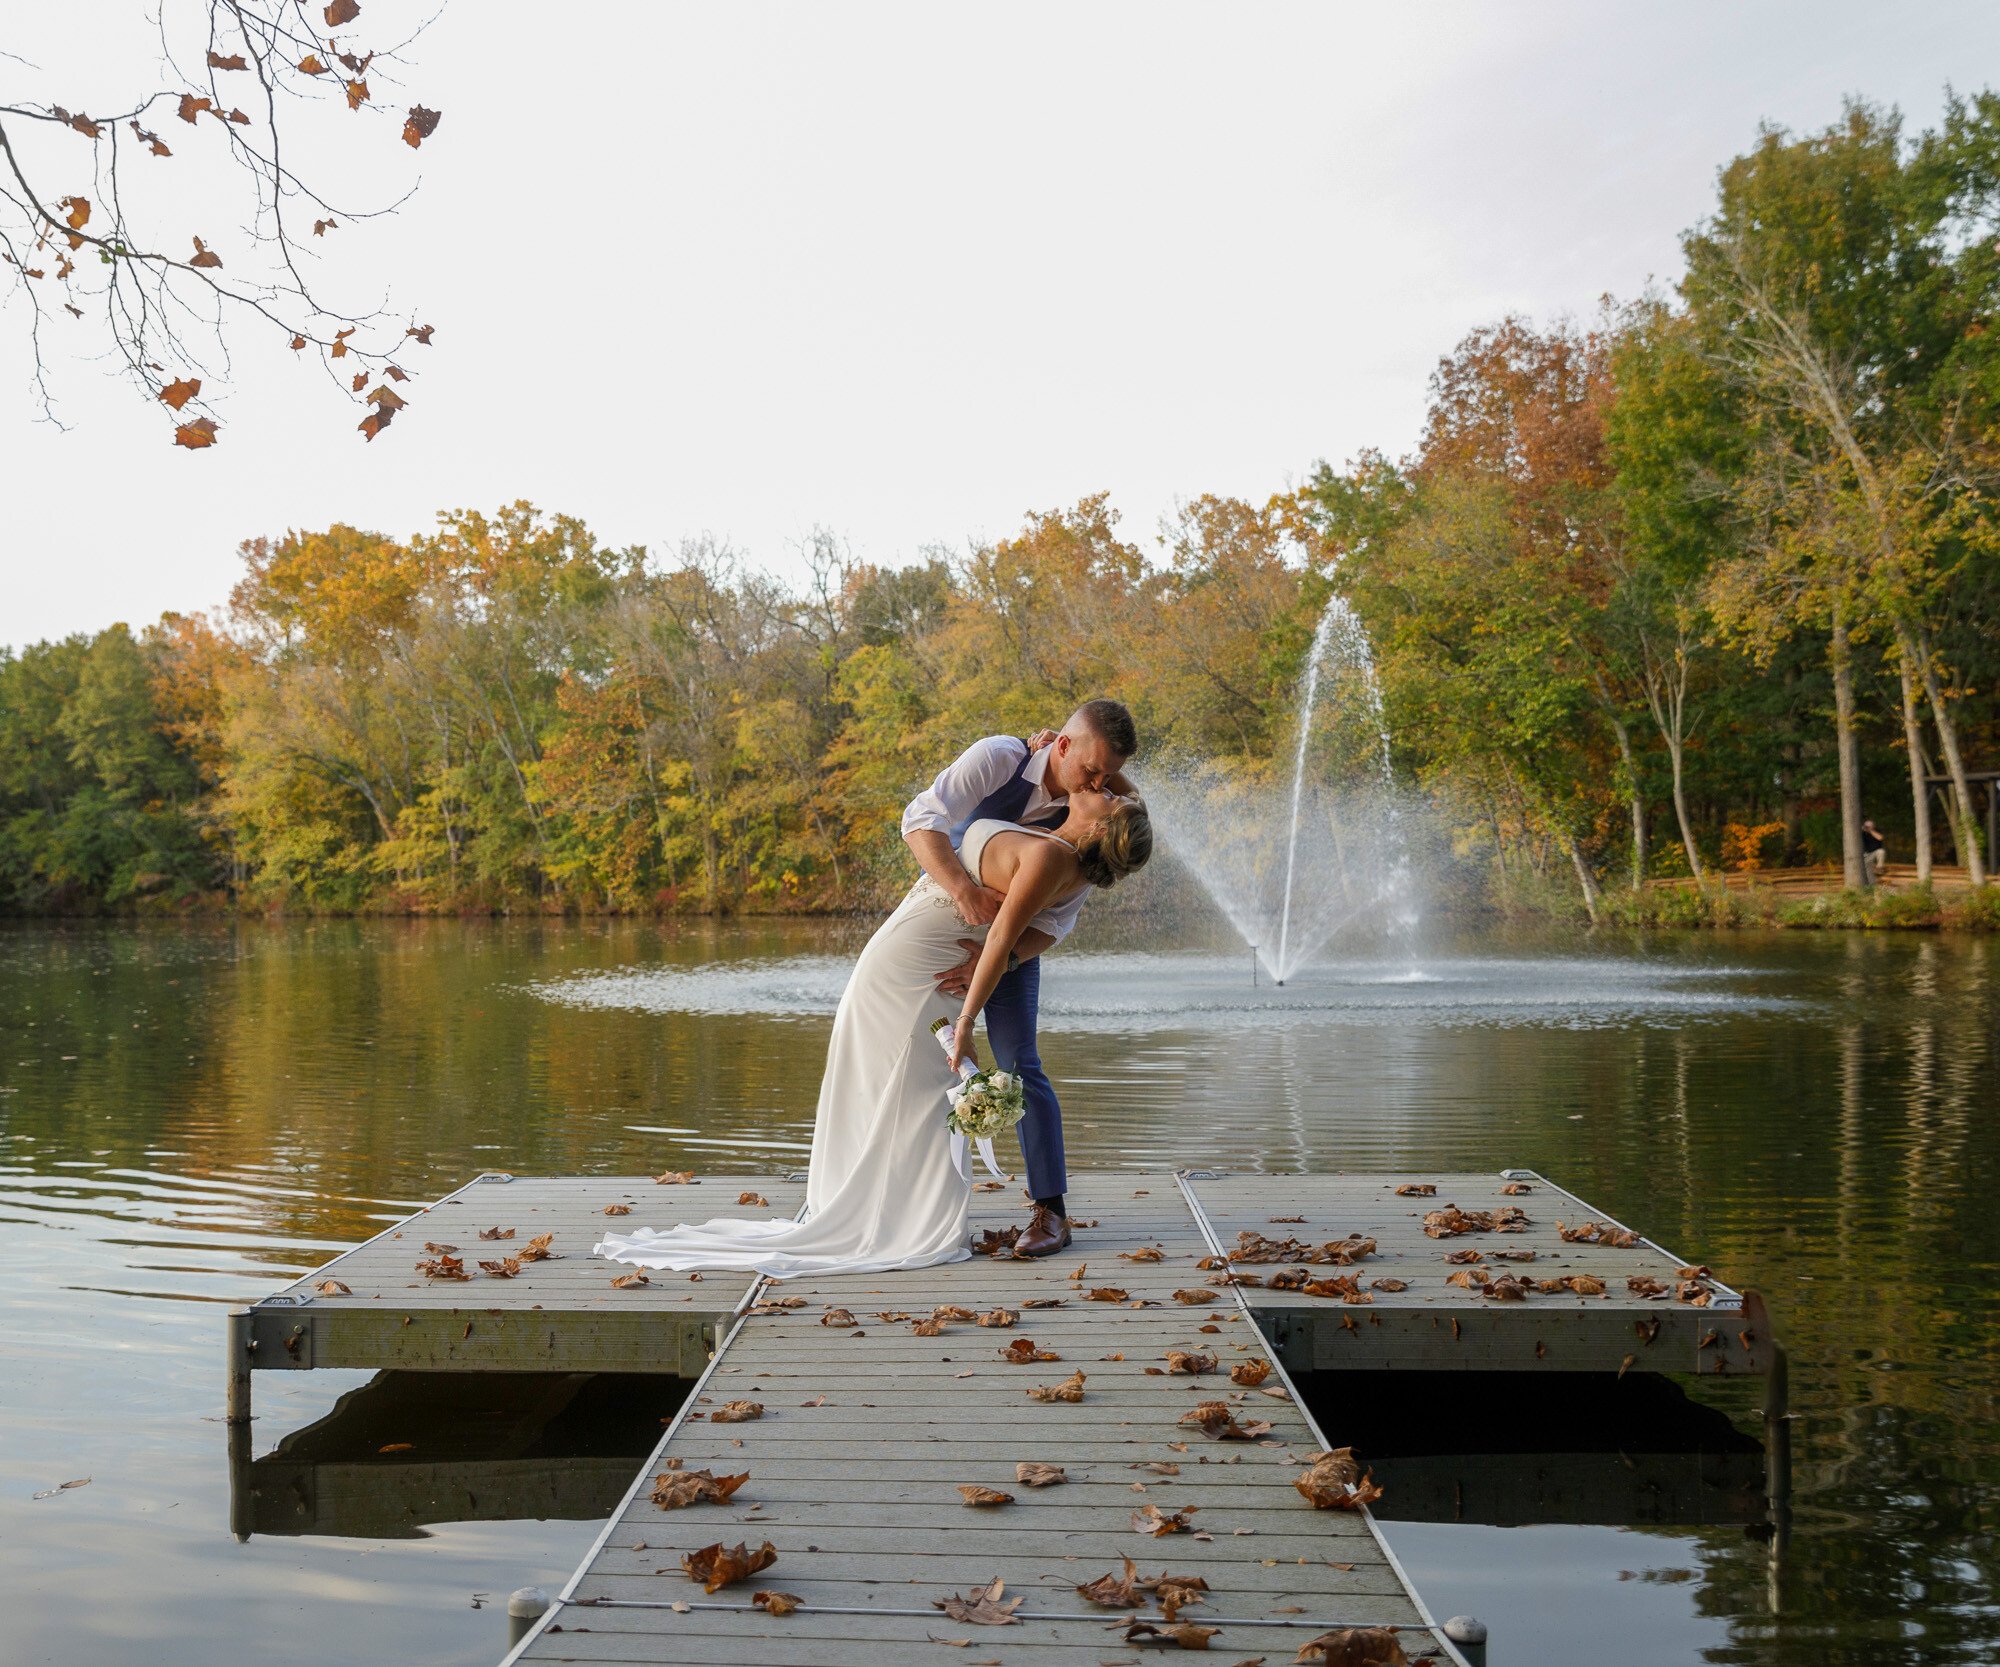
[[888, 1187]]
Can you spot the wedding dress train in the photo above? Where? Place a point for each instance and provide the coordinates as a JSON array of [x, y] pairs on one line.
[[889, 1183]]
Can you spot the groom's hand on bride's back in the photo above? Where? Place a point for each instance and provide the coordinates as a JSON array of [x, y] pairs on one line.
[[979, 905]]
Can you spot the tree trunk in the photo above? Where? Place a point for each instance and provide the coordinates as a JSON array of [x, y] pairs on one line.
[[1840, 658], [1920, 793], [1954, 763], [1674, 751], [1584, 877], [1638, 804]]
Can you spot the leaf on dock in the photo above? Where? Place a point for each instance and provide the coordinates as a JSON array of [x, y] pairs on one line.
[[618, 1209], [1070, 1389], [674, 1489], [774, 1603], [1194, 1298], [982, 1606], [1152, 1520], [505, 1268], [333, 1288], [999, 1318], [1417, 1189], [1023, 1352], [974, 1494], [1185, 1363], [1354, 1646], [537, 1249], [755, 1199], [717, 1566], [1250, 1373], [1218, 1423], [1335, 1481], [443, 1267], [736, 1412], [1106, 1293], [674, 1178], [994, 1240], [1033, 1474], [496, 1232], [1145, 1253]]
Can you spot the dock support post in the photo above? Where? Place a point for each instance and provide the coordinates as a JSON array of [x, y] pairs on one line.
[[1470, 1637], [236, 1401], [524, 1609]]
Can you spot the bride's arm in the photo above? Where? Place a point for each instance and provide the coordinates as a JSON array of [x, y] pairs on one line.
[[1044, 868]]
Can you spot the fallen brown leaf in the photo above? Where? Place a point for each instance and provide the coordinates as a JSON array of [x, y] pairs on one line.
[[1152, 1520], [1335, 1481], [1214, 1420], [496, 1232], [618, 1209], [998, 1317], [755, 1199], [717, 1566], [630, 1281], [673, 1177], [1180, 1362], [1070, 1389], [675, 1488], [1030, 1473], [974, 1494], [1023, 1352], [333, 1288], [736, 1412], [1250, 1373], [1354, 1646], [1417, 1189], [982, 1606]]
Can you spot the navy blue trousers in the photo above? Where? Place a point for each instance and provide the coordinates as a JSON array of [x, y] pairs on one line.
[[1010, 1028]]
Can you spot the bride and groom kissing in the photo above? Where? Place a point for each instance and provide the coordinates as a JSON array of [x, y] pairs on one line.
[[1011, 838]]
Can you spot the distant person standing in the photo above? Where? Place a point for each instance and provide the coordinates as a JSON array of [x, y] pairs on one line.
[[1874, 854]]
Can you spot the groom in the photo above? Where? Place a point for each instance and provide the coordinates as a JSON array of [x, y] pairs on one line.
[[1028, 782]]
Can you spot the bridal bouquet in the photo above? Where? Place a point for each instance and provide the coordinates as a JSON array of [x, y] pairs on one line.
[[983, 1103]]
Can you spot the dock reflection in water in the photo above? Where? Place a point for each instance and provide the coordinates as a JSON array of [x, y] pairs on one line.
[[411, 1449]]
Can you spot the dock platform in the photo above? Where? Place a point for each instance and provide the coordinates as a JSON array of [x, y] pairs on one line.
[[1185, 1303]]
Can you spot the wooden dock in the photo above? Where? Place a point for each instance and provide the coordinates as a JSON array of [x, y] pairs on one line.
[[884, 1396]]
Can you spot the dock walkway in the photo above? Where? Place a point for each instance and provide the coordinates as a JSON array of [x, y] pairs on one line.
[[884, 1396]]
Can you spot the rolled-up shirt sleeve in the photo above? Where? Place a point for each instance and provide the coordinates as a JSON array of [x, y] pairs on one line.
[[949, 801], [1059, 919]]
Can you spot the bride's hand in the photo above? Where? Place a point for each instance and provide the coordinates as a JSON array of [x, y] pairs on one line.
[[961, 1042]]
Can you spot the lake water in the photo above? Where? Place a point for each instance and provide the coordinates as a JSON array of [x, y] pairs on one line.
[[191, 1115]]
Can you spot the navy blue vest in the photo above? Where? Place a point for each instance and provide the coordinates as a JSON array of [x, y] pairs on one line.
[[1006, 802]]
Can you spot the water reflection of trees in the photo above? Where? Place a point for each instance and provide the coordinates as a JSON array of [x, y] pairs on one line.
[[1841, 1159]]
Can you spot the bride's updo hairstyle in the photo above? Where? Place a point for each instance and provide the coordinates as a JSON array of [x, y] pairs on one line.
[[1117, 846]]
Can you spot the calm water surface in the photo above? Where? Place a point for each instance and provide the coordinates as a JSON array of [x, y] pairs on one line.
[[190, 1116]]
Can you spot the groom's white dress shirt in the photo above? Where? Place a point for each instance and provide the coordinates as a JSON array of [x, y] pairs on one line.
[[946, 807]]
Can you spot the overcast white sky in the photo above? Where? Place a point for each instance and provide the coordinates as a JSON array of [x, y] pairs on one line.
[[912, 271]]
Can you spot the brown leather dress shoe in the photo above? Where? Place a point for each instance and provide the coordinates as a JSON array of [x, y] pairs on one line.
[[1045, 1234]]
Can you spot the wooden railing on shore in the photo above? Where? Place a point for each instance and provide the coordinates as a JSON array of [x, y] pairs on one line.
[[1816, 882]]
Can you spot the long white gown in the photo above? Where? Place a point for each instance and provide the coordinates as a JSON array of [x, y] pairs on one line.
[[889, 1185]]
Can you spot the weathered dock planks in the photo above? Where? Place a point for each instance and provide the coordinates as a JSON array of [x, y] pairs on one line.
[[555, 1315], [870, 1430]]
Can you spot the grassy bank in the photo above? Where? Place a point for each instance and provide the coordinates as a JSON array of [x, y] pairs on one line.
[[1914, 908]]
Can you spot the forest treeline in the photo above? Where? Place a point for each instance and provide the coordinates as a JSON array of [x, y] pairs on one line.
[[1697, 583]]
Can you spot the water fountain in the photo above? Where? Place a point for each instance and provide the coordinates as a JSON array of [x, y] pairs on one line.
[[1292, 864]]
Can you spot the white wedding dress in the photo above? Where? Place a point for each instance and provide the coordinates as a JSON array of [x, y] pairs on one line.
[[889, 1182]]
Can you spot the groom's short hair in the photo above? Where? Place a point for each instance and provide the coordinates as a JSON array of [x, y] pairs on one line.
[[1112, 724]]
